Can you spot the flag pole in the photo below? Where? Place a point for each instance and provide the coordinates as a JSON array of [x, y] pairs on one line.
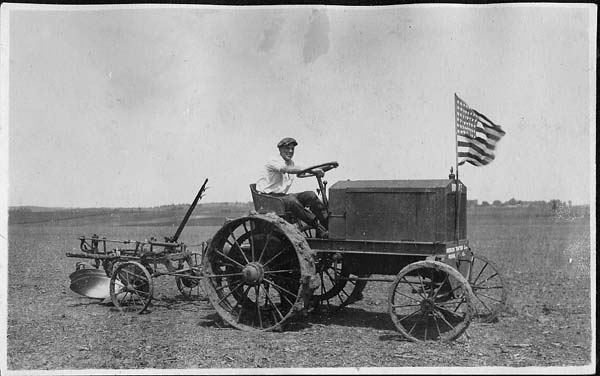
[[457, 200], [455, 137]]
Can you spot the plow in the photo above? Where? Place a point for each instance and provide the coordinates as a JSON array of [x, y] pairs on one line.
[[261, 270], [129, 267]]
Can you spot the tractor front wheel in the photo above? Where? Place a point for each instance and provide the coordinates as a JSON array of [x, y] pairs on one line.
[[430, 301]]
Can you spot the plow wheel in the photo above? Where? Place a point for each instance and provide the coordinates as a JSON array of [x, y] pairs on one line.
[[430, 301], [336, 290], [131, 287], [189, 287], [488, 288], [258, 271]]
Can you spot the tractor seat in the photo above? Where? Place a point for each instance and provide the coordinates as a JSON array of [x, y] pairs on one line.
[[264, 203]]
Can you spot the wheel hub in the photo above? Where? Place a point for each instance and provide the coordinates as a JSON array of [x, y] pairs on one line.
[[253, 273], [427, 305]]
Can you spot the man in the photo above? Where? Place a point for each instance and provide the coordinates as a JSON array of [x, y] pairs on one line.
[[277, 178]]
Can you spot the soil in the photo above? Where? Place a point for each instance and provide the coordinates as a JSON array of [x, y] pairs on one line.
[[545, 262]]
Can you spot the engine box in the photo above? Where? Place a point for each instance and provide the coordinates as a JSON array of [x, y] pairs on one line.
[[397, 210]]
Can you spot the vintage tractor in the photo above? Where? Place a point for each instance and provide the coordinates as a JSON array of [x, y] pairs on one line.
[[262, 269]]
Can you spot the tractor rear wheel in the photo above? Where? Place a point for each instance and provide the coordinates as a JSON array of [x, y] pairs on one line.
[[430, 301], [258, 272], [337, 290], [337, 287]]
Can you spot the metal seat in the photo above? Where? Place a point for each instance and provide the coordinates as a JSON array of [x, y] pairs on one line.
[[265, 203]]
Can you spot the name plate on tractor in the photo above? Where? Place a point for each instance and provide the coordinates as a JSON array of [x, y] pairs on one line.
[[451, 251]]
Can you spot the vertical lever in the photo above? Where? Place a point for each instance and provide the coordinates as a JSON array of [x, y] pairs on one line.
[[322, 186], [189, 212]]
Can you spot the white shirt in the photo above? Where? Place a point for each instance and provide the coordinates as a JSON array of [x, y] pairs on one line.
[[272, 179]]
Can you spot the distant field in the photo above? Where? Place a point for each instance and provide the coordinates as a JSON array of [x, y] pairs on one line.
[[545, 261], [203, 215]]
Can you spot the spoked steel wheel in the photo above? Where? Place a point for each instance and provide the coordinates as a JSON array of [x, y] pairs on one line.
[[430, 301], [257, 272], [488, 288], [131, 287], [336, 289], [189, 287]]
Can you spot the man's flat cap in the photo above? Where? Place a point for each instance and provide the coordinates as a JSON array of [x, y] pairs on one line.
[[287, 141]]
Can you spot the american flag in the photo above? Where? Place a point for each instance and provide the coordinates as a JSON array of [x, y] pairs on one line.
[[476, 135]]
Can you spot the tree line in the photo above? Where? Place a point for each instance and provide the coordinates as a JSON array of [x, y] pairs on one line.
[[553, 206]]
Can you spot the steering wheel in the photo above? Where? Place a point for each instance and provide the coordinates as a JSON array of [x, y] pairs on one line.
[[309, 171]]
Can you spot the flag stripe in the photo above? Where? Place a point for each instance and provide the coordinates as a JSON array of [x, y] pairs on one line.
[[472, 161], [489, 133], [462, 145], [478, 141], [483, 158], [475, 151], [489, 123]]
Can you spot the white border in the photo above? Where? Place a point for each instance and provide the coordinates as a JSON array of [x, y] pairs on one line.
[[6, 8]]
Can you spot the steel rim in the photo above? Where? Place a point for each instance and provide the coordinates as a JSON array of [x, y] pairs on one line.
[[336, 291], [430, 301], [488, 289], [252, 274], [131, 287]]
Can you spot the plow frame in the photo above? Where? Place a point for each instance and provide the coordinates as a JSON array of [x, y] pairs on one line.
[[131, 263]]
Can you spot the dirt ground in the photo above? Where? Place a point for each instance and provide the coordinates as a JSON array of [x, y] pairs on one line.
[[545, 262]]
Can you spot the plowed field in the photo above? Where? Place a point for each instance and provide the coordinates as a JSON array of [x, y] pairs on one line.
[[545, 262]]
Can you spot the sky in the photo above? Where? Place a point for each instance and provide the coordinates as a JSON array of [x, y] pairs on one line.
[[106, 106]]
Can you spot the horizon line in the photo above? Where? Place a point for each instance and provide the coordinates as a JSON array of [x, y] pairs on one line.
[[12, 207]]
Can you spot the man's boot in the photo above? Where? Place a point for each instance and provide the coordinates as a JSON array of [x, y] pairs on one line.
[[324, 219], [318, 209], [321, 230]]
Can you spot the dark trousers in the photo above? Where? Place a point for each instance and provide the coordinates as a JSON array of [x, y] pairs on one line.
[[296, 203]]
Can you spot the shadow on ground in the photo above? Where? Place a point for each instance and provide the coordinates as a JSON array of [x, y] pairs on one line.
[[354, 317]]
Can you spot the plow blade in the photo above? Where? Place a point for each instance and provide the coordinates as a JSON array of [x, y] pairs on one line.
[[90, 283], [80, 272]]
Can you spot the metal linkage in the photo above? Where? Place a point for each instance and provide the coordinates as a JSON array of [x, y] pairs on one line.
[[130, 269]]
